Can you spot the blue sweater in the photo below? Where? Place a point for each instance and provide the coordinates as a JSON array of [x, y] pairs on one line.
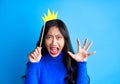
[[51, 70]]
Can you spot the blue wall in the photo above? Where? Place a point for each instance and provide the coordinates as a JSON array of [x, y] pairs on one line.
[[99, 20]]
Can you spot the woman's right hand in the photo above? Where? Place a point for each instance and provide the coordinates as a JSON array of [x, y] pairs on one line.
[[35, 56]]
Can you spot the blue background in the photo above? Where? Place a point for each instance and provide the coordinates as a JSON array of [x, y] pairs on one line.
[[99, 20]]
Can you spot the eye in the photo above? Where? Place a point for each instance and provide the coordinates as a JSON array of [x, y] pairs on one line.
[[58, 37], [48, 37]]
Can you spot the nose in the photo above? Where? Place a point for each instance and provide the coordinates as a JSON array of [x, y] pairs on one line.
[[54, 41]]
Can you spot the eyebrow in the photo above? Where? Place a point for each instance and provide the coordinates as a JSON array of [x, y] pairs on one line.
[[53, 35]]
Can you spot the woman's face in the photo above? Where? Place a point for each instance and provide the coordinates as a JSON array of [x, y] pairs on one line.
[[54, 41]]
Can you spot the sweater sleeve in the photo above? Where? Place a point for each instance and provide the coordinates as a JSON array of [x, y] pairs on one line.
[[82, 76], [31, 75]]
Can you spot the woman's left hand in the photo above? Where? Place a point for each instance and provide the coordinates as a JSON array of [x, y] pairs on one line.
[[82, 53]]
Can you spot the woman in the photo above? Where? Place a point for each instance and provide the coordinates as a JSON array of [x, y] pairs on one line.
[[55, 62]]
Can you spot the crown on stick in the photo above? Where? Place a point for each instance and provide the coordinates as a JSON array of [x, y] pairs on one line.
[[50, 16]]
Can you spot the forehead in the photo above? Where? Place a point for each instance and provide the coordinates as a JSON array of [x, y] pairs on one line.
[[54, 31]]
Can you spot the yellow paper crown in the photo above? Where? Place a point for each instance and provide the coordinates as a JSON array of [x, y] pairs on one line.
[[50, 16]]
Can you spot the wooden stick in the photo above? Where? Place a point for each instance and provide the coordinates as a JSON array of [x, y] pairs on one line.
[[42, 36]]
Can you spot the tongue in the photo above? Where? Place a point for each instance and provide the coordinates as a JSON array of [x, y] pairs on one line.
[[53, 51]]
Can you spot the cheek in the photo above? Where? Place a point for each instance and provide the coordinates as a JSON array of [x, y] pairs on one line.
[[62, 43], [47, 43]]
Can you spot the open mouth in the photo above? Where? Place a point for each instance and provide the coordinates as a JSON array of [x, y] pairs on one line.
[[54, 50]]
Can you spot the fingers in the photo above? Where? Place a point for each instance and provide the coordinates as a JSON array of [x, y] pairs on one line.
[[89, 45], [36, 52], [85, 43], [79, 47], [35, 55], [71, 54], [91, 53], [78, 42], [85, 47]]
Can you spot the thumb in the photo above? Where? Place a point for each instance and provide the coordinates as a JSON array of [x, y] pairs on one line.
[[71, 54]]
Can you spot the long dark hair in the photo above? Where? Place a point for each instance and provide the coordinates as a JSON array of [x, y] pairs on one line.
[[69, 63]]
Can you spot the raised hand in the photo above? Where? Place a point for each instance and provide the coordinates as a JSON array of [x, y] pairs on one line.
[[82, 53], [35, 56]]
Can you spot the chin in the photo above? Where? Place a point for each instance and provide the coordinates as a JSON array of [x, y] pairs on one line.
[[54, 55]]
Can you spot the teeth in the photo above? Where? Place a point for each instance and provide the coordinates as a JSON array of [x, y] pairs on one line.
[[54, 49]]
